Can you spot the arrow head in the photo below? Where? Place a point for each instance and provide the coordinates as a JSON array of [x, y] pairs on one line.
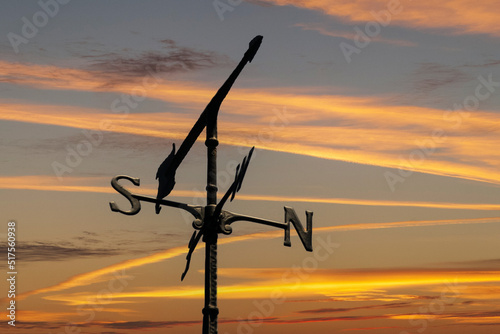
[[253, 47]]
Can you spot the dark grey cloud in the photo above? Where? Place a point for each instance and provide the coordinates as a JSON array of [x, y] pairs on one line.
[[123, 325], [479, 314], [325, 319], [144, 324], [261, 3], [89, 238], [425, 81], [126, 64], [39, 325], [51, 251], [430, 76], [147, 241], [489, 63], [478, 264], [58, 325], [348, 309], [90, 244]]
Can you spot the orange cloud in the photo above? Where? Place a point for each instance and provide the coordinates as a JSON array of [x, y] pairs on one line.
[[389, 145], [458, 17], [107, 272], [81, 184], [365, 130], [333, 283]]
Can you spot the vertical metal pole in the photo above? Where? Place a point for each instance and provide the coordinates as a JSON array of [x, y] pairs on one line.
[[210, 311]]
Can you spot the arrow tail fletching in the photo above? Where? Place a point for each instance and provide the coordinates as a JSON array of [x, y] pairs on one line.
[[240, 174]]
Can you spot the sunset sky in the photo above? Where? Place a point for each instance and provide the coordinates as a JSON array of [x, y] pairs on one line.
[[381, 117]]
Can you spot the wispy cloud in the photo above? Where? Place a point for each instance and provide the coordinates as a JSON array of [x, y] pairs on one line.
[[360, 129], [350, 35], [372, 141], [482, 293], [474, 317], [85, 184], [327, 319], [489, 63], [52, 251], [39, 316], [489, 263], [101, 274], [146, 324], [430, 76], [114, 67], [349, 309], [353, 285], [89, 244], [456, 17]]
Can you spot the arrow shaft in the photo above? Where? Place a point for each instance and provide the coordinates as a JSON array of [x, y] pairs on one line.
[[209, 114], [134, 199], [194, 210]]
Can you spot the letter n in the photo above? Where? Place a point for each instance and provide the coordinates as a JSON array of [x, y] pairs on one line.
[[304, 235]]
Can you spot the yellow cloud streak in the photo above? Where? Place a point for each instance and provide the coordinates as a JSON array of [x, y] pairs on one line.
[[328, 283], [97, 275], [304, 103], [381, 136], [75, 184], [375, 146], [90, 277]]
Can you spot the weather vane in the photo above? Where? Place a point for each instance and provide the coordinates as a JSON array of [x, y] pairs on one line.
[[211, 219]]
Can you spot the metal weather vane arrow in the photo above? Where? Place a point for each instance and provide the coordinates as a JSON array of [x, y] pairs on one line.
[[166, 171], [211, 219]]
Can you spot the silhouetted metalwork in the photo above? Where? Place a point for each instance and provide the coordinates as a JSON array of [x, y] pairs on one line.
[[211, 219], [166, 178]]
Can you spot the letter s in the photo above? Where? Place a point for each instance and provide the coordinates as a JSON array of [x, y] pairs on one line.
[[134, 202]]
